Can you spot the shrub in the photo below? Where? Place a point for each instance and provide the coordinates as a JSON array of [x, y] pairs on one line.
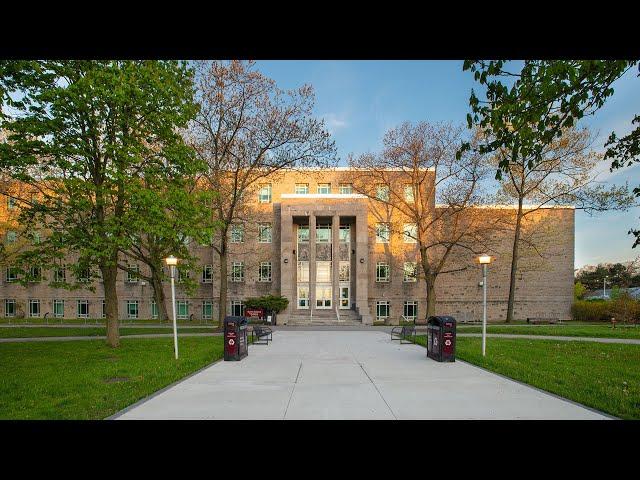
[[268, 302], [624, 309], [579, 290]]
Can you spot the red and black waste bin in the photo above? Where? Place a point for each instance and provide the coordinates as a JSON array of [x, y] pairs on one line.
[[441, 338], [235, 338]]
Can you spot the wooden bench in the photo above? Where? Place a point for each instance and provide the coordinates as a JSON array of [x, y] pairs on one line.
[[540, 320], [406, 332], [260, 332]]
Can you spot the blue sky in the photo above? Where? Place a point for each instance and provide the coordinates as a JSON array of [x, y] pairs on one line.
[[360, 100]]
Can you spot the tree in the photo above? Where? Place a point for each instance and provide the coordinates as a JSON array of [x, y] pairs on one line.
[[564, 174], [417, 164], [578, 291], [85, 134], [248, 130]]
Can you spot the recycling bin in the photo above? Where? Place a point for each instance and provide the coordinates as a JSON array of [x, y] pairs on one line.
[[235, 338], [441, 338]]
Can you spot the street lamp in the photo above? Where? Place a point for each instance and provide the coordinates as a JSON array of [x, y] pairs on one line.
[[484, 260], [171, 262], [604, 286]]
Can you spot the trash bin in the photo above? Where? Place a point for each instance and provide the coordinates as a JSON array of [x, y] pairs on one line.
[[235, 338], [441, 338]]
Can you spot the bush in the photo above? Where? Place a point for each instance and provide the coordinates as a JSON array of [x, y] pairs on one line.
[[624, 309], [270, 303], [579, 290]]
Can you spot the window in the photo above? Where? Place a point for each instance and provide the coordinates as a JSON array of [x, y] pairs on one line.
[[303, 271], [346, 188], [303, 296], [11, 203], [237, 272], [302, 188], [410, 233], [133, 274], [83, 308], [264, 195], [324, 188], [265, 272], [237, 308], [186, 240], [83, 275], [11, 274], [264, 233], [207, 310], [382, 310], [410, 271], [382, 272], [34, 308], [408, 192], [154, 309], [182, 307], [9, 308], [58, 308], [343, 273], [410, 310], [104, 309], [132, 309], [382, 233], [323, 272], [207, 274], [345, 233], [323, 233], [237, 233], [60, 274], [303, 233], [183, 275], [382, 192], [323, 296], [35, 274], [11, 236]]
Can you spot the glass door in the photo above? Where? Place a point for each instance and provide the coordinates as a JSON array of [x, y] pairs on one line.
[[323, 296], [344, 297]]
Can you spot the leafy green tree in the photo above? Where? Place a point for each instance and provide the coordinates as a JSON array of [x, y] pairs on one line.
[[579, 290], [85, 134]]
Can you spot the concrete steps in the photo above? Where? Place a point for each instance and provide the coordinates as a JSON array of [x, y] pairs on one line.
[[347, 318]]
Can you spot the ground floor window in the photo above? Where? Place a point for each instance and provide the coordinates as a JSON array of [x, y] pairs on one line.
[[237, 308], [10, 308], [58, 308], [154, 309], [382, 310], [83, 308], [132, 309], [410, 310], [34, 308], [207, 309], [303, 296], [323, 296], [183, 309]]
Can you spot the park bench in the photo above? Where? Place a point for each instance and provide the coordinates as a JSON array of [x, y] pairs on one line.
[[406, 332], [539, 320], [258, 333]]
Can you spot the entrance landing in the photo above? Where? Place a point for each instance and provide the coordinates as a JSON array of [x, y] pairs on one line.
[[350, 375]]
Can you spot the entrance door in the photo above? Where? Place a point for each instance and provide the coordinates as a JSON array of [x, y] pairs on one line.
[[323, 296], [344, 297]]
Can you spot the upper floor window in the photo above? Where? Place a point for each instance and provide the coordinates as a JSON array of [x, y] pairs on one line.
[[346, 188], [237, 233], [35, 273], [11, 274], [324, 188], [303, 233], [408, 192], [207, 274], [323, 233], [60, 274], [83, 275], [382, 272], [410, 233], [265, 272], [264, 195], [382, 192], [237, 272], [302, 188], [303, 271], [133, 274], [410, 271], [183, 275], [264, 233], [345, 233], [382, 233]]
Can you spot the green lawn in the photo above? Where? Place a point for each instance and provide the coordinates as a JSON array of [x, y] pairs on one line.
[[30, 332], [99, 321], [600, 330], [602, 376], [88, 380]]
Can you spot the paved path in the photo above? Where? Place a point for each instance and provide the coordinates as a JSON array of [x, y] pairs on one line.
[[349, 375], [630, 341]]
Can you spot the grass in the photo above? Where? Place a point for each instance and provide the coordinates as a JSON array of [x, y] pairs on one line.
[[602, 376], [31, 332], [88, 380], [599, 330]]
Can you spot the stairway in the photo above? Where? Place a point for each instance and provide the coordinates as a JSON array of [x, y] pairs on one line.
[[324, 317]]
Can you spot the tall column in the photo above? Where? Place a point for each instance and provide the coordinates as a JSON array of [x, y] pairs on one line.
[[362, 267], [287, 285], [335, 261], [312, 261]]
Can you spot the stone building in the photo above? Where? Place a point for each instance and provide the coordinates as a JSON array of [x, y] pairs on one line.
[[320, 244]]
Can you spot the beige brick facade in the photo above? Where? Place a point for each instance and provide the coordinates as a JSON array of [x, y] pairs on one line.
[[544, 282]]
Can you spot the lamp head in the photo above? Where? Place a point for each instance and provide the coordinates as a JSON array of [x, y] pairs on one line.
[[171, 261], [484, 259]]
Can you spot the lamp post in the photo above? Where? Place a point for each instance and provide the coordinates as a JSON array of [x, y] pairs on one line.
[[171, 262], [604, 286], [484, 260]]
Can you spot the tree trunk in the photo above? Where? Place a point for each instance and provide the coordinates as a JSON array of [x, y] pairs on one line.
[[514, 263], [222, 298], [109, 275], [158, 294], [431, 295]]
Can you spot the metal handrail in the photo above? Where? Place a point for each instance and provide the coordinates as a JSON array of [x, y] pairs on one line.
[[337, 314]]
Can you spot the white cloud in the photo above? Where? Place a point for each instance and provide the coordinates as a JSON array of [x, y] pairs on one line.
[[335, 122]]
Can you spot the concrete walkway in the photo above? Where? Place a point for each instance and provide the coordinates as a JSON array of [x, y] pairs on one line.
[[349, 375]]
